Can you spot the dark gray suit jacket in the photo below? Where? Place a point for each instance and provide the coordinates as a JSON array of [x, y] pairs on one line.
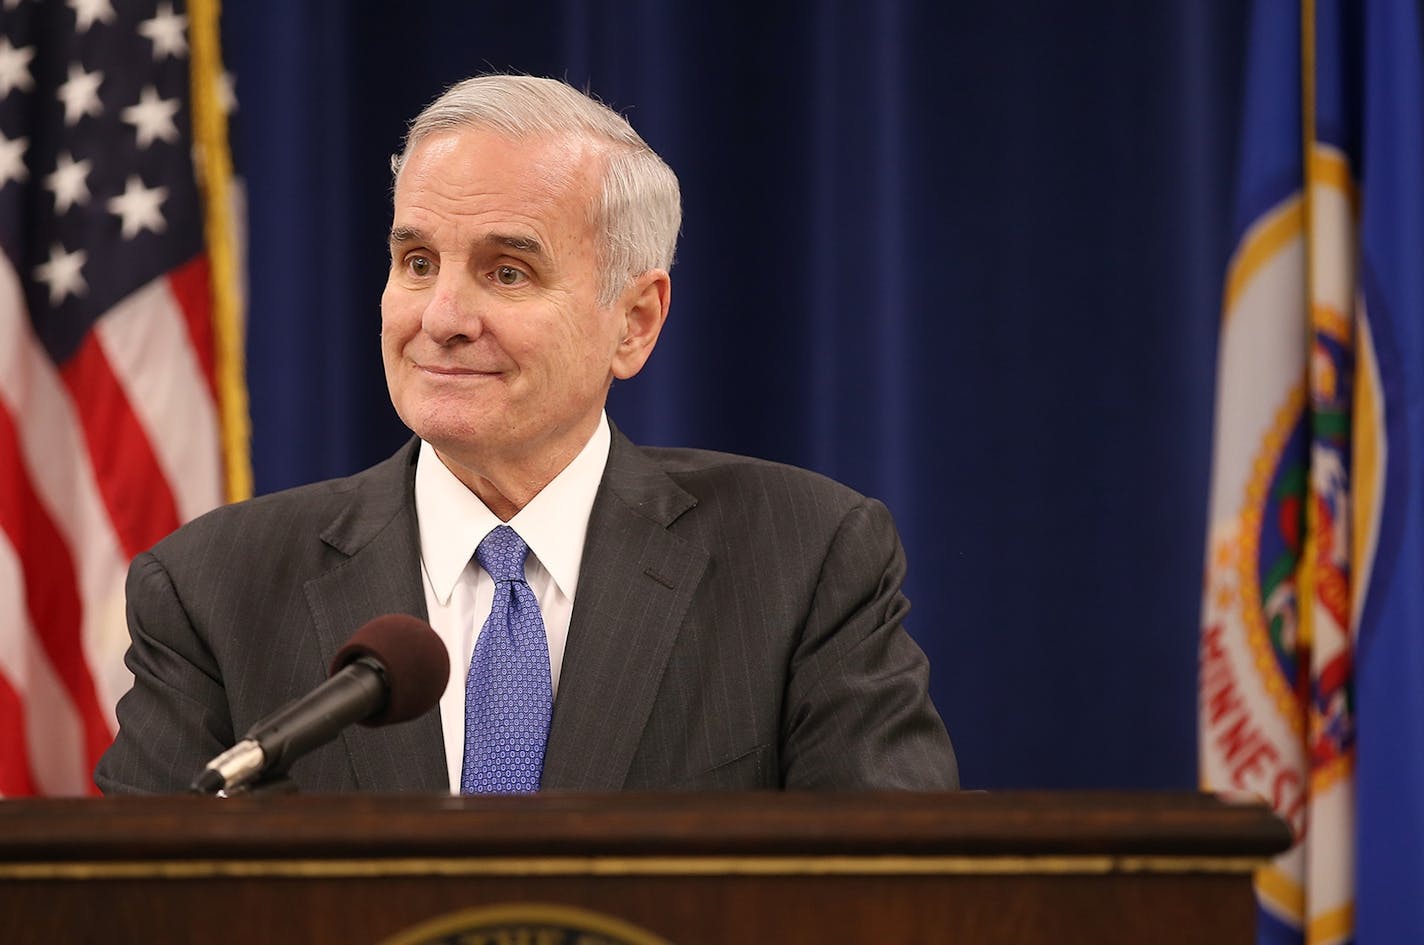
[[737, 625]]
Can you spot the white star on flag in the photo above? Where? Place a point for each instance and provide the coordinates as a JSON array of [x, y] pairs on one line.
[[152, 117], [63, 273], [69, 182], [138, 207], [15, 67], [166, 31], [89, 12], [80, 94], [12, 159], [120, 329]]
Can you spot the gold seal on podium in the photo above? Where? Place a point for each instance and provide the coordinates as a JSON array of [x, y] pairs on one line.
[[531, 923]]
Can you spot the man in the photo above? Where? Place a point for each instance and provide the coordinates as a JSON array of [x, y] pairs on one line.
[[617, 617]]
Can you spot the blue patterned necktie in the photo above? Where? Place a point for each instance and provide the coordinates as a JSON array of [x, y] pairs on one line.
[[508, 692]]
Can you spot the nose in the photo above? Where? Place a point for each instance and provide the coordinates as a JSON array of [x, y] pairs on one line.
[[451, 312]]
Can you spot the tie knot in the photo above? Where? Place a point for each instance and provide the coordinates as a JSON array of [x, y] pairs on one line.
[[502, 554]]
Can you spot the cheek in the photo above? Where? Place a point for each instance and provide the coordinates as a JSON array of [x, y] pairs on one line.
[[398, 319], [590, 347]]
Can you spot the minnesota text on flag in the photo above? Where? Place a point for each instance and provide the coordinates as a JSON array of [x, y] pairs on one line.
[[110, 371], [1313, 402]]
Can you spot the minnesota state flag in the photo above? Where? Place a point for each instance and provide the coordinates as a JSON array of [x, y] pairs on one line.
[[1312, 655]]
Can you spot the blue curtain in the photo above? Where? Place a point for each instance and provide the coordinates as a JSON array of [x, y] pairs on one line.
[[964, 257]]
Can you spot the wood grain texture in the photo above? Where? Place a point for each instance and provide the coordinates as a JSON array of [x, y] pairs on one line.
[[1195, 901]]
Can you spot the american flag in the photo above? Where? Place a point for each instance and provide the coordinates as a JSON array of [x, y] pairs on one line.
[[111, 358]]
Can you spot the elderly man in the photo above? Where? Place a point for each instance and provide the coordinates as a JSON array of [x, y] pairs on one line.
[[619, 617]]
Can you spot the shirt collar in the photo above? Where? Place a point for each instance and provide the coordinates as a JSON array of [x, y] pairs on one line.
[[453, 521]]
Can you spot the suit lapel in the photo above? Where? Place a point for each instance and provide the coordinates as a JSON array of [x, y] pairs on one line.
[[636, 582], [379, 573]]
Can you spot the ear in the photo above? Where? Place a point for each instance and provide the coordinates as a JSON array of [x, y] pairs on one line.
[[644, 307]]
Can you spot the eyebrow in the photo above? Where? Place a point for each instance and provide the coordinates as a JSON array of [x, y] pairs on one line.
[[523, 244], [406, 234]]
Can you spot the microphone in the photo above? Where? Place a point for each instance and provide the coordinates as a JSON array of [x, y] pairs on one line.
[[391, 670]]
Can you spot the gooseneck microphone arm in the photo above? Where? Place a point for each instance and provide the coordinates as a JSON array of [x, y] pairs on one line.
[[392, 670], [270, 746]]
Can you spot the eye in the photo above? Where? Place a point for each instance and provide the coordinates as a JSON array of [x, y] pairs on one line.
[[508, 275], [420, 266]]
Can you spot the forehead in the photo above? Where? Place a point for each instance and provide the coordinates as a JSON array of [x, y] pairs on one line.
[[479, 171]]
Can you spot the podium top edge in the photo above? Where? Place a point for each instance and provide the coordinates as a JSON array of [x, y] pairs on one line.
[[630, 824]]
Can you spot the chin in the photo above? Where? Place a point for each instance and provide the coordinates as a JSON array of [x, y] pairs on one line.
[[444, 433], [446, 414]]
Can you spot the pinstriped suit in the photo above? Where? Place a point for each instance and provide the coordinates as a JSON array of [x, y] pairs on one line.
[[737, 626]]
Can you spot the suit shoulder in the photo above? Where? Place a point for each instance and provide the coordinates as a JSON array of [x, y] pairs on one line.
[[300, 510], [708, 474]]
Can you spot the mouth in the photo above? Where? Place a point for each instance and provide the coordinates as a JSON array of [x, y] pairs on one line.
[[454, 371]]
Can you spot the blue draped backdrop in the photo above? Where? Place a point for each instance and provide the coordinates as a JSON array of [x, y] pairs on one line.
[[964, 257]]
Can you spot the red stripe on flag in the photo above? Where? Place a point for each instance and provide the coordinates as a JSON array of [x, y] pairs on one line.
[[15, 777], [51, 589], [132, 483], [192, 286]]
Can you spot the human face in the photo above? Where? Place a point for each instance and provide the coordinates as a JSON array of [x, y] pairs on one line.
[[495, 347]]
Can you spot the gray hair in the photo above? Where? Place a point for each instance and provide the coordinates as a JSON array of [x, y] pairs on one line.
[[639, 207]]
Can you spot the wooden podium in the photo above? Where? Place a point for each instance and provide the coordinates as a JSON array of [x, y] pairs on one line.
[[680, 869]]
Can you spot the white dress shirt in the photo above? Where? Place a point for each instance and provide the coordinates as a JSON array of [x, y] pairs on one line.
[[459, 593]]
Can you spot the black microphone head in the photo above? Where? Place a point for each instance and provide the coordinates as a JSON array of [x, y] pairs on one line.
[[416, 666]]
